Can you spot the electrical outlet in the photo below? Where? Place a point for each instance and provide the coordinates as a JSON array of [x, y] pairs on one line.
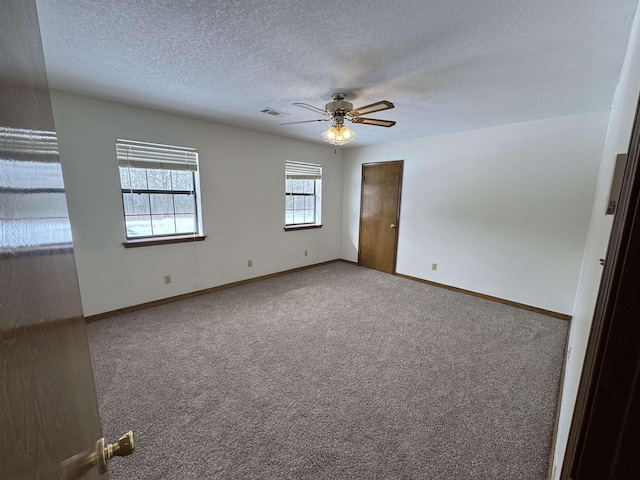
[[249, 263], [306, 253], [434, 266], [167, 279]]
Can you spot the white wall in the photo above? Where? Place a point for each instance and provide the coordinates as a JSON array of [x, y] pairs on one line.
[[618, 136], [503, 211], [242, 179]]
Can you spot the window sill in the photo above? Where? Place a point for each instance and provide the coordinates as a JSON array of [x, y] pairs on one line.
[[293, 228], [149, 242]]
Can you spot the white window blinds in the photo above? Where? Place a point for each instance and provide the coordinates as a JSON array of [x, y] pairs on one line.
[[303, 171], [152, 155]]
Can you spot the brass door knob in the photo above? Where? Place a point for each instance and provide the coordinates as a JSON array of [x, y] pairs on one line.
[[75, 467], [125, 446], [392, 225]]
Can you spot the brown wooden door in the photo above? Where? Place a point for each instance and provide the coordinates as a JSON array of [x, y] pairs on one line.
[[48, 409], [379, 215]]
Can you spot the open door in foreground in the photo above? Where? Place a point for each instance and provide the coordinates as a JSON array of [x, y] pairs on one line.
[[49, 424]]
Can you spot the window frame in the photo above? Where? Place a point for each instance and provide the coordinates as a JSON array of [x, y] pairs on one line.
[[304, 171], [152, 156]]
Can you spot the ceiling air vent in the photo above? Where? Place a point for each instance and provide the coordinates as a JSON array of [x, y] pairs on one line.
[[275, 113]]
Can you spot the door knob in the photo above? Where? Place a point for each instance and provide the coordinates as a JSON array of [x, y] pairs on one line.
[[123, 447], [392, 225], [76, 466]]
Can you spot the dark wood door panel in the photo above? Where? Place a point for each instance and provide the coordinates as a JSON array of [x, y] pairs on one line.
[[48, 408], [379, 214]]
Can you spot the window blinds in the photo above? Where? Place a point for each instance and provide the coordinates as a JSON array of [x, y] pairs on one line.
[[152, 155], [303, 171]]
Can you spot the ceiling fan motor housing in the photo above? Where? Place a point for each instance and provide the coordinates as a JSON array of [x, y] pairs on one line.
[[338, 106]]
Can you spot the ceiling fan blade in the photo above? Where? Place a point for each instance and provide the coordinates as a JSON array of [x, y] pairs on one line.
[[374, 107], [307, 121], [374, 121], [312, 108]]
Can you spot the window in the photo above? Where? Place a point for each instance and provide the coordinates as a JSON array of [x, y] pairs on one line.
[[159, 185], [303, 195]]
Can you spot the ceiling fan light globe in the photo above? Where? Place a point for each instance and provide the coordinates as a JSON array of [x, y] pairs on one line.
[[338, 135]]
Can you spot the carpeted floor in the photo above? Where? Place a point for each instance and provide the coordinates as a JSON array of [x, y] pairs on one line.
[[336, 372]]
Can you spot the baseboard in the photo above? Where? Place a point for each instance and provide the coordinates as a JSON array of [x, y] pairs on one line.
[[542, 311], [176, 298], [348, 261]]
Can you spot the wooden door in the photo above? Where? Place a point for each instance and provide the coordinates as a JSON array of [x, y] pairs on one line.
[[379, 215], [48, 409]]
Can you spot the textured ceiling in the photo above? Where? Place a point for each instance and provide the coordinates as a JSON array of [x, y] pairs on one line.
[[447, 65]]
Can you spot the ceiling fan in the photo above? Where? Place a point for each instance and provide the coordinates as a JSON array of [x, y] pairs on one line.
[[338, 111]]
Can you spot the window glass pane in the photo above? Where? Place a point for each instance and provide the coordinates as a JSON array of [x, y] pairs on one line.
[[159, 179], [288, 186], [138, 226], [309, 203], [185, 223], [308, 186], [298, 186], [309, 216], [136, 203], [163, 224], [288, 202], [127, 202], [141, 203], [138, 178], [124, 177], [161, 203], [298, 202], [184, 203], [298, 216], [182, 180], [288, 217]]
